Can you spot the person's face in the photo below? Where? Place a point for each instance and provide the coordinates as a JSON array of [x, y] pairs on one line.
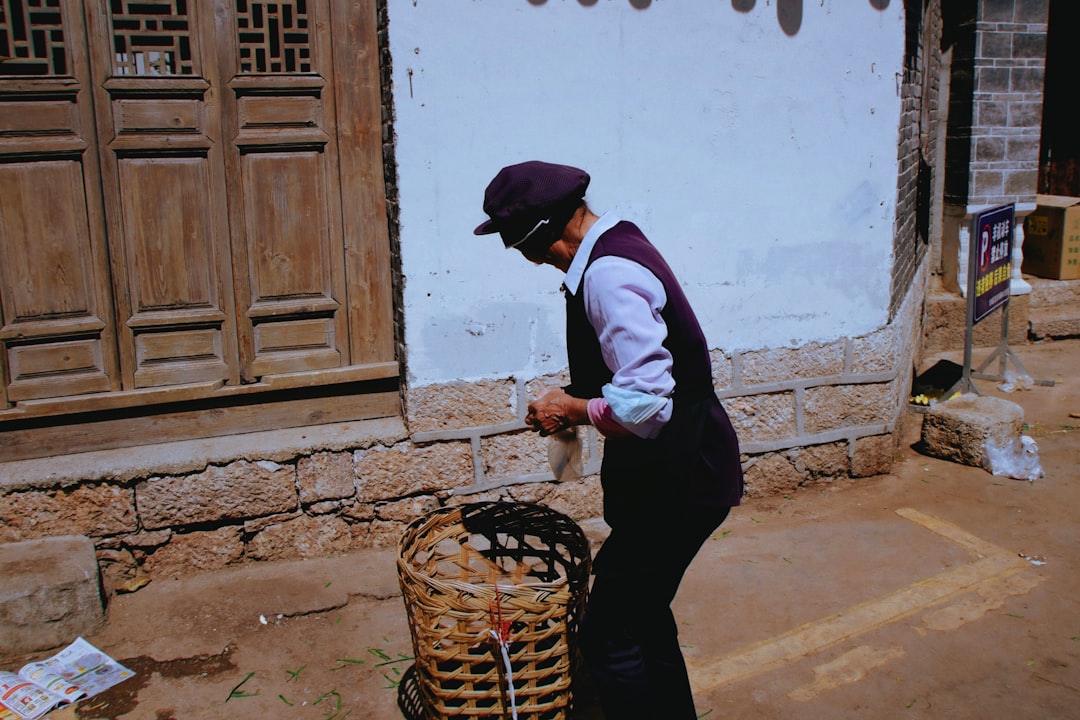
[[559, 254], [537, 245], [537, 254]]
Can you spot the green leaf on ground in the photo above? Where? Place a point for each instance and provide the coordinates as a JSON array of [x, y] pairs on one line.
[[334, 694], [345, 662], [236, 692]]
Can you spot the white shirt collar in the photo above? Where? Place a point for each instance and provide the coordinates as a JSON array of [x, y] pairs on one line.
[[577, 267]]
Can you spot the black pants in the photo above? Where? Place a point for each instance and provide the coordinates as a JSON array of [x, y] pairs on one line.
[[628, 634]]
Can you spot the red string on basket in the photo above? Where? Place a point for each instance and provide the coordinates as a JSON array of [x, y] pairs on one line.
[[501, 632], [501, 627]]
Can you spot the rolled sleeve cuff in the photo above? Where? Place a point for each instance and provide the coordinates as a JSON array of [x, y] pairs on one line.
[[609, 425], [603, 419]]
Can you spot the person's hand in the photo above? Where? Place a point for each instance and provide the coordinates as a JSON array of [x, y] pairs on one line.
[[553, 410]]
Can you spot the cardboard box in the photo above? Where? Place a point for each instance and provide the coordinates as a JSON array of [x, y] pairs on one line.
[[1052, 238]]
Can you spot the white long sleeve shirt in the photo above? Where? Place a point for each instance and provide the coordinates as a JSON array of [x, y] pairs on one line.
[[623, 301]]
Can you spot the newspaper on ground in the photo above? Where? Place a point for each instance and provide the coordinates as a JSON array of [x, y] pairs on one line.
[[77, 672]]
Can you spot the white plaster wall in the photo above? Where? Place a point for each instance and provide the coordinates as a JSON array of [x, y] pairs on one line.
[[763, 164]]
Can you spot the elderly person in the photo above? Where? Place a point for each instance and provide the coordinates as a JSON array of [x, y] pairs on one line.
[[640, 372]]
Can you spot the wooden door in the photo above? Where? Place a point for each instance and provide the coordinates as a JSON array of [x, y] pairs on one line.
[[163, 173], [285, 205], [191, 201], [57, 330]]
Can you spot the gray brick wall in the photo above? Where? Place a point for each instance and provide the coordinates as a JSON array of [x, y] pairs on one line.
[[918, 145], [998, 71]]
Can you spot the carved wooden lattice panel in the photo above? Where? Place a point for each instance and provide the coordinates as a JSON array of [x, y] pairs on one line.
[[151, 38], [274, 37], [32, 38]]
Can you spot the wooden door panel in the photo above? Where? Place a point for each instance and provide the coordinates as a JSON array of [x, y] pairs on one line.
[[177, 325], [50, 369], [368, 263], [184, 356], [56, 322], [165, 115], [295, 277], [295, 346], [170, 264], [163, 174], [26, 117], [48, 278], [49, 285], [287, 228]]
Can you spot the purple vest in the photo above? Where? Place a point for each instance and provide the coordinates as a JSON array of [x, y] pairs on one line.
[[695, 459]]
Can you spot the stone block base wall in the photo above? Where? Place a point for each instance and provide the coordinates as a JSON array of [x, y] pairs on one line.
[[183, 508], [812, 414]]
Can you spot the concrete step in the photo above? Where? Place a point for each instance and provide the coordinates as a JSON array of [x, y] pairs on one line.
[[1054, 308], [1048, 293], [1057, 321]]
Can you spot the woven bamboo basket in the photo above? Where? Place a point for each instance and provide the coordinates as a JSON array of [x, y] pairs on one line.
[[468, 570]]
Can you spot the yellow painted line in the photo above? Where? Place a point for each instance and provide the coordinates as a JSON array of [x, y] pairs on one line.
[[951, 532], [820, 634], [851, 667], [990, 595]]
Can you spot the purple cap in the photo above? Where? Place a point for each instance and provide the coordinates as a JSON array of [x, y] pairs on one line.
[[523, 196]]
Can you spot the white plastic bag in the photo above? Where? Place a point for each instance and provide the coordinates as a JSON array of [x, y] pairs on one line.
[[1018, 458], [1012, 381], [564, 455]]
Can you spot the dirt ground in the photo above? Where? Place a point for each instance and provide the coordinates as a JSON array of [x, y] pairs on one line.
[[938, 591]]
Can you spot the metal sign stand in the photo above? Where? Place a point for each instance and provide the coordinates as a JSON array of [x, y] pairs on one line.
[[964, 384], [1003, 352]]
